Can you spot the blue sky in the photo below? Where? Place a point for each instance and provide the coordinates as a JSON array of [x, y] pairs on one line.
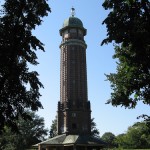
[[99, 62]]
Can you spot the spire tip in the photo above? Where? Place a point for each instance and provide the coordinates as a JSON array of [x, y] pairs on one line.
[[72, 11]]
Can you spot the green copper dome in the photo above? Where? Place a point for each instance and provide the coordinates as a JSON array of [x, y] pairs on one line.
[[73, 22]]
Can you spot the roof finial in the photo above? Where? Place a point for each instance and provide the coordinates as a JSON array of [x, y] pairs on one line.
[[72, 11]]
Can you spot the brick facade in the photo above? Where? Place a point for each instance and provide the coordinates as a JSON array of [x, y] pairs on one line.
[[74, 113]]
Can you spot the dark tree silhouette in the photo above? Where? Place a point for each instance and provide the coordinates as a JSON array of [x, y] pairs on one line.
[[53, 128], [94, 130], [30, 132], [128, 27], [19, 87]]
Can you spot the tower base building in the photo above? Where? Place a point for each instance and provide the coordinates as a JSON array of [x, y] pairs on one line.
[[71, 142]]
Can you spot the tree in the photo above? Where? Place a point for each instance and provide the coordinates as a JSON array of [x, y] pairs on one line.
[[30, 132], [19, 88], [136, 137], [94, 130], [109, 138], [8, 140], [53, 129], [120, 141], [128, 27]]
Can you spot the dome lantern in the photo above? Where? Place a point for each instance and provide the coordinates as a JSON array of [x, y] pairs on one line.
[[72, 22]]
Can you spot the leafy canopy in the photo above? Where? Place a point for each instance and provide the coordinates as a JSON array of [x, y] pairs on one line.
[[19, 87], [136, 137], [128, 27], [109, 138], [30, 132], [53, 128], [94, 130]]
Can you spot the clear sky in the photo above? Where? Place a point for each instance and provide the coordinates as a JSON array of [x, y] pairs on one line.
[[99, 62]]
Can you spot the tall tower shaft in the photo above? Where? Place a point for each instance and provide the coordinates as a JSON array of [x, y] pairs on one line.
[[74, 113]]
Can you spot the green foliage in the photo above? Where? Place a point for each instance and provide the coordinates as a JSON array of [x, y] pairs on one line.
[[94, 130], [8, 140], [137, 136], [109, 138], [128, 27], [120, 140], [30, 132], [19, 87], [53, 129]]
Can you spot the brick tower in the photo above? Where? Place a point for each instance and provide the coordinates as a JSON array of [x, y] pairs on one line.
[[74, 113]]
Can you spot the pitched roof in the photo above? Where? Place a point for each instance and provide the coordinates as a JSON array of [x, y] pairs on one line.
[[73, 139]]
